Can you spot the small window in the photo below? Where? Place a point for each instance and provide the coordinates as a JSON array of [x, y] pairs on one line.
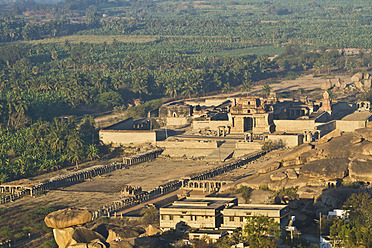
[[181, 216], [241, 219], [193, 218], [162, 217], [231, 218], [170, 217]]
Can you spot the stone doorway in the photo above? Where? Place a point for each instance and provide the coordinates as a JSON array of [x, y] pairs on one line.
[[247, 124]]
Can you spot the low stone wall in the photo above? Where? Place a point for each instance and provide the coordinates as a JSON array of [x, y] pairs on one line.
[[326, 127], [186, 144], [288, 140], [294, 126], [350, 126], [125, 137], [75, 177]]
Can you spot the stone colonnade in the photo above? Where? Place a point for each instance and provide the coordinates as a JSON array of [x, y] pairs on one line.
[[224, 168], [204, 185], [111, 209], [142, 157], [18, 191]]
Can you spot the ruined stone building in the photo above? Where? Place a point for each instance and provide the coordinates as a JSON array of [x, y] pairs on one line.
[[130, 131]]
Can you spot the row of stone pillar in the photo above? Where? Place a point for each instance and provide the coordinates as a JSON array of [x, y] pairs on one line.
[[62, 181], [12, 197], [143, 157], [122, 204]]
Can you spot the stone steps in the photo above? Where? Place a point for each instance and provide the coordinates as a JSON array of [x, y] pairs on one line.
[[225, 151]]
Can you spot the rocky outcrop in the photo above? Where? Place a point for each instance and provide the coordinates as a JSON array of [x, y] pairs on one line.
[[362, 81], [67, 217], [361, 169], [278, 176], [69, 232], [269, 167], [326, 168]]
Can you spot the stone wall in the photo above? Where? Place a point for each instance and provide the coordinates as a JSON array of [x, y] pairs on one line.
[[192, 144], [295, 126], [288, 140], [350, 126], [177, 121], [125, 137], [326, 127]]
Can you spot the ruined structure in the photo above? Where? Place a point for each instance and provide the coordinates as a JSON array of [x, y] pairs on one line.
[[253, 115], [131, 131]]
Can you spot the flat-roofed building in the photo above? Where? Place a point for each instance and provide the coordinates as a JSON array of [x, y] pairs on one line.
[[195, 212], [235, 216]]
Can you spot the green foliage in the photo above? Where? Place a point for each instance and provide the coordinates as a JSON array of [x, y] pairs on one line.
[[357, 230], [44, 146], [264, 187], [245, 191], [5, 232], [291, 192], [149, 214], [272, 145], [50, 244], [258, 229]]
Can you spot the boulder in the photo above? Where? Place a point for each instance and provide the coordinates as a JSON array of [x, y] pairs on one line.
[[96, 243], [81, 245], [110, 231], [359, 86], [291, 174], [357, 77], [84, 235], [356, 140], [278, 176], [364, 133], [92, 244], [361, 169], [367, 149], [327, 85], [329, 136], [291, 162], [67, 218], [295, 153], [63, 237], [268, 168], [152, 231], [367, 83], [326, 168]]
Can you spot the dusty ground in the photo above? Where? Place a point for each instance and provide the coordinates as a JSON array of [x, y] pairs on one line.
[[106, 188]]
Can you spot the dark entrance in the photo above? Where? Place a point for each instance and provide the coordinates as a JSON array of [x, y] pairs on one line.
[[248, 124]]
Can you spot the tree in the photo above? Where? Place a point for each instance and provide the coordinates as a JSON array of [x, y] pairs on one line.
[[258, 229], [266, 89], [245, 191], [356, 231]]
